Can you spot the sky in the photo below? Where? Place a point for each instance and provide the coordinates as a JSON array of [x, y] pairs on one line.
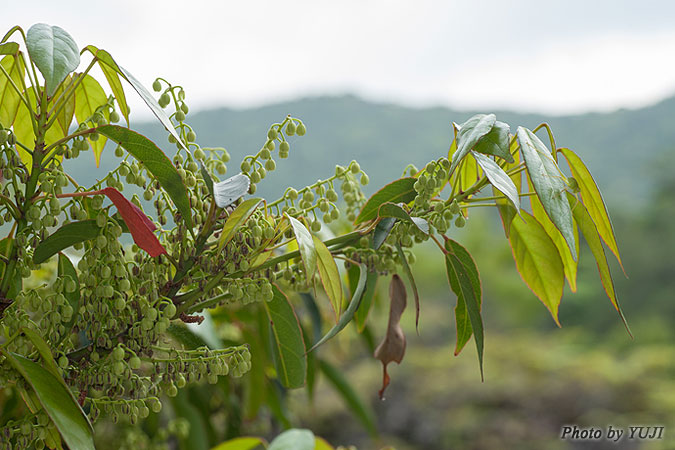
[[553, 57]]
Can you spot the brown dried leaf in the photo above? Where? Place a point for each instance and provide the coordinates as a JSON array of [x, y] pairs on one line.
[[392, 347]]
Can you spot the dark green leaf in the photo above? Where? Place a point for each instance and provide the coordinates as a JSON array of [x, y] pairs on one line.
[[57, 401], [469, 134], [293, 439], [399, 191], [66, 271], [496, 142], [408, 273], [157, 163], [305, 245], [548, 182], [207, 178], [538, 261], [361, 314], [66, 236], [289, 348], [351, 309], [498, 178], [185, 336], [351, 398], [381, 232], [389, 209], [53, 51]]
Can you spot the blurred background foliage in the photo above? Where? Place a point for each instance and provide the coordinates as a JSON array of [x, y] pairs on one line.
[[538, 377]]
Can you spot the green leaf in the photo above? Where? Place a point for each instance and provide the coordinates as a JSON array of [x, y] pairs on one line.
[[506, 210], [67, 270], [294, 439], [197, 439], [469, 134], [351, 398], [462, 279], [157, 163], [321, 444], [9, 48], [570, 262], [66, 236], [45, 353], [590, 194], [548, 182], [237, 218], [89, 95], [361, 314], [242, 443], [592, 235], [57, 401], [462, 320], [185, 336], [498, 178], [381, 232], [9, 98], [207, 178], [409, 274], [349, 312], [53, 51], [538, 261], [496, 142], [330, 276], [398, 191], [289, 348], [65, 117], [111, 71], [389, 209], [152, 104], [305, 245]]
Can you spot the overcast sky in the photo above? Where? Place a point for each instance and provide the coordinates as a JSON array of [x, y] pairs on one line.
[[556, 57]]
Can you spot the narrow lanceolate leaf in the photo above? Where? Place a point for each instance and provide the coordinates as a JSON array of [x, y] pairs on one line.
[[411, 278], [548, 182], [463, 284], [590, 194], [498, 178], [157, 163], [242, 443], [330, 276], [396, 210], [288, 345], [392, 347], [361, 314], [399, 191], [506, 211], [53, 51], [570, 262], [305, 245], [351, 398], [237, 218], [89, 95], [140, 227], [592, 236], [111, 71], [57, 401], [462, 320], [9, 97], [293, 439], [45, 353], [67, 273], [349, 312], [381, 232], [66, 236], [538, 261], [469, 134], [496, 142], [152, 104]]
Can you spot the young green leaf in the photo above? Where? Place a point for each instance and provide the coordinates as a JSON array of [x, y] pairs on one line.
[[305, 245], [9, 98], [538, 261], [157, 163], [470, 132], [66, 236], [595, 205], [53, 51], [411, 278], [89, 95], [294, 439], [392, 347], [290, 359], [399, 191], [394, 210], [65, 118], [498, 178], [67, 273], [592, 236], [351, 398], [242, 443], [548, 182], [9, 48], [237, 218], [57, 402], [462, 319], [349, 312], [330, 277], [111, 71], [496, 142]]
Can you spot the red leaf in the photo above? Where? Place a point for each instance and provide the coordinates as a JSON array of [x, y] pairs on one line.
[[140, 226]]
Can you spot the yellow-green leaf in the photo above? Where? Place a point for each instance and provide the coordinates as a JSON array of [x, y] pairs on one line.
[[242, 443], [9, 97], [111, 71], [237, 218], [330, 277], [306, 246], [538, 261], [89, 95]]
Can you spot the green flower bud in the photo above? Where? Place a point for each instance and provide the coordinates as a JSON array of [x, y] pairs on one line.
[[191, 136], [270, 165], [184, 108], [301, 130], [179, 116], [135, 362], [460, 221], [284, 147], [245, 165], [355, 168], [272, 134], [114, 117], [221, 168], [364, 179], [156, 86]]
